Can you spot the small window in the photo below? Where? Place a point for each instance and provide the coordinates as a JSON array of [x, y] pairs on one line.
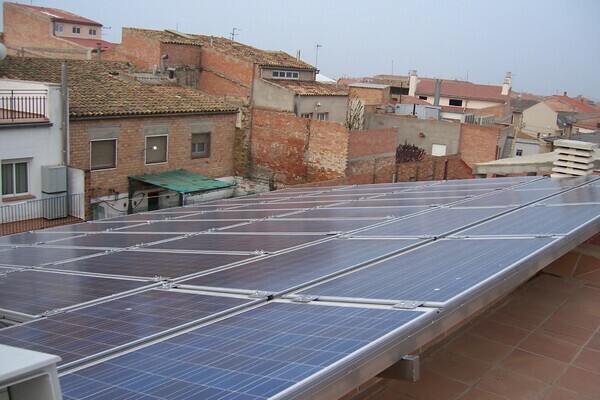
[[92, 32], [455, 102], [201, 145], [156, 149], [103, 154], [286, 74], [15, 178], [323, 116], [438, 149], [423, 97], [58, 28], [519, 152], [76, 30], [306, 115]]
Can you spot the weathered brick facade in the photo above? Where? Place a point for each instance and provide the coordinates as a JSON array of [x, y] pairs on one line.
[[296, 150], [478, 143], [131, 144]]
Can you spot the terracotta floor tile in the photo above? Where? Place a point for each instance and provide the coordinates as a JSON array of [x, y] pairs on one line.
[[564, 394], [548, 346], [456, 366], [586, 265], [481, 349], [511, 386], [564, 265], [478, 394], [594, 343], [566, 332], [533, 365], [573, 316], [499, 332], [524, 314], [582, 382], [584, 306], [589, 293], [589, 360], [431, 386]]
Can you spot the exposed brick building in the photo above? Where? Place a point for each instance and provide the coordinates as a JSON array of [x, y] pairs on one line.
[[50, 32], [125, 124]]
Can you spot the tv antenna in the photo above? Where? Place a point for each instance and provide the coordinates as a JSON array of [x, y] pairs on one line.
[[232, 34]]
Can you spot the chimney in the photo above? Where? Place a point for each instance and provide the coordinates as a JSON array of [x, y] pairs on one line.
[[412, 83], [565, 93], [298, 55], [162, 62], [507, 84], [438, 92], [573, 158]]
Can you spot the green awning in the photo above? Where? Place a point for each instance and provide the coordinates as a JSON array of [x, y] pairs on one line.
[[182, 181]]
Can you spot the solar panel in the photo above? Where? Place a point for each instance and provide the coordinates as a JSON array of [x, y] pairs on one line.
[[37, 255], [293, 205], [28, 238], [235, 214], [540, 220], [34, 292], [179, 226], [508, 198], [585, 194], [356, 212], [276, 274], [99, 328], [237, 242], [296, 225], [148, 216], [255, 354], [436, 272], [93, 226], [114, 239], [437, 222], [150, 264], [384, 202]]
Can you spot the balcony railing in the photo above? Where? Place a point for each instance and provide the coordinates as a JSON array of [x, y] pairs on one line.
[[38, 214], [23, 106]]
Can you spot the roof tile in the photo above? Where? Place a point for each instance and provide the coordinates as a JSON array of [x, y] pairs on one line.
[[461, 89], [59, 15], [309, 88]]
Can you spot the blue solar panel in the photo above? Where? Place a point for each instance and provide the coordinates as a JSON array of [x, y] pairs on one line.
[[34, 292], [436, 272], [33, 256], [255, 354], [298, 267], [99, 328], [297, 225], [29, 238]]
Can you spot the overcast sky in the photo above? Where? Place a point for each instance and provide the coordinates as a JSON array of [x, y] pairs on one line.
[[550, 46]]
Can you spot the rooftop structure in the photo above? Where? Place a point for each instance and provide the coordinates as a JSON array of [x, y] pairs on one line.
[[296, 293]]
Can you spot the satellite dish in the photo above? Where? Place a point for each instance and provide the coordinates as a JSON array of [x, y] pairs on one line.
[[2, 51]]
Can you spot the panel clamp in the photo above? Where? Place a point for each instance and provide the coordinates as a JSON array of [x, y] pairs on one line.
[[408, 304]]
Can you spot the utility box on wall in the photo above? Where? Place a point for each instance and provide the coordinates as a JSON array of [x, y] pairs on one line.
[[54, 191]]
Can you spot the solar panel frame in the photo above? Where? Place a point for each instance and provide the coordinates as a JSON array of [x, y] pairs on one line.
[[178, 226], [280, 225], [30, 238], [114, 240], [32, 256]]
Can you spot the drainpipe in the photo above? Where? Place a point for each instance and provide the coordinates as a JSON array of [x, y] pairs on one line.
[[438, 91], [64, 93]]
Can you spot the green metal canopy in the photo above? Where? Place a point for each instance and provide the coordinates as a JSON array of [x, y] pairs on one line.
[[182, 181]]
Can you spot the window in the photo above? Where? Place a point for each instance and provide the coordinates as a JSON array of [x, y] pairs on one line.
[[201, 145], [58, 28], [76, 30], [519, 152], [323, 116], [286, 74], [15, 178], [423, 97], [306, 115], [93, 32], [103, 154], [438, 150], [156, 149], [455, 102]]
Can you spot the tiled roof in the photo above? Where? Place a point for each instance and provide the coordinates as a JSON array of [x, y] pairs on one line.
[[461, 90], [522, 104], [406, 99], [59, 15], [265, 58], [309, 88], [566, 103], [102, 89], [368, 85], [91, 43]]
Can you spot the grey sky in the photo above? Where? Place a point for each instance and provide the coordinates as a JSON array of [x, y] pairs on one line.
[[550, 46]]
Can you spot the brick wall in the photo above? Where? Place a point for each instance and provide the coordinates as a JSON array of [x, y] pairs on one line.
[[225, 75], [131, 142], [139, 49], [478, 143], [296, 150], [33, 32], [372, 142]]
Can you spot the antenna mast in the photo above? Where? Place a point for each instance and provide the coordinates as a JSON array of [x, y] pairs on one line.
[[232, 34]]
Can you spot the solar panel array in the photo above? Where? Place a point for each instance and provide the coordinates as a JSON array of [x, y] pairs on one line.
[[277, 294]]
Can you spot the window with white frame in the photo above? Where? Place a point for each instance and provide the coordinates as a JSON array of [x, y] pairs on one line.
[[306, 115], [286, 74], [58, 28], [76, 30], [103, 154], [455, 102], [323, 116], [200, 144], [92, 32], [156, 149], [15, 177]]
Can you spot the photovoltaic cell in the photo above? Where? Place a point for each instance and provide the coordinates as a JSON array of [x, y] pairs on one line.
[[383, 202], [101, 327], [236, 214], [113, 239], [92, 226], [508, 198], [252, 355], [295, 205], [34, 256], [585, 194], [540, 220], [28, 238], [275, 274], [179, 226], [356, 212], [435, 223], [150, 264], [34, 292], [296, 225], [238, 242], [436, 272]]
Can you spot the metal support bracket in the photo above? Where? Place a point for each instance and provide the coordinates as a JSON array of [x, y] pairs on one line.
[[408, 304], [304, 298], [407, 369]]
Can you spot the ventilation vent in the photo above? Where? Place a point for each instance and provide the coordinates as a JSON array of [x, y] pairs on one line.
[[573, 158]]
